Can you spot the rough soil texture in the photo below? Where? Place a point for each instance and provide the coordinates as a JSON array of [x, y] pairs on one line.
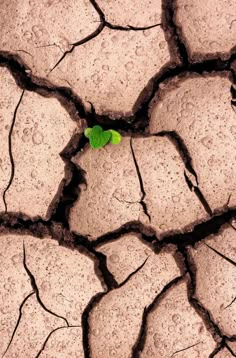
[[129, 250]]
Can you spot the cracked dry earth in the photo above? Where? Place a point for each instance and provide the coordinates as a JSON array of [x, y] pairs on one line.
[[128, 250]]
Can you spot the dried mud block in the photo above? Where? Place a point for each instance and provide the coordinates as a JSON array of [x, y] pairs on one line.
[[34, 326], [175, 329], [112, 195], [14, 285], [40, 38], [65, 342], [132, 13], [66, 279], [208, 27], [170, 203], [112, 69], [199, 109], [125, 255], [216, 278], [116, 320], [9, 97], [42, 129]]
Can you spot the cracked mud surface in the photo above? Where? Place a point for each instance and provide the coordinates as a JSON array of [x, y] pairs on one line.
[[128, 250]]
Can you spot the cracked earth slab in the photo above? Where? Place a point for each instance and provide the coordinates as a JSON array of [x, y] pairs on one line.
[[208, 27], [169, 321], [114, 188], [116, 319], [41, 127], [111, 70], [32, 30], [198, 108], [215, 262], [64, 281]]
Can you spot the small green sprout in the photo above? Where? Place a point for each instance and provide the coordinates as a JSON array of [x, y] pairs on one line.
[[98, 138]]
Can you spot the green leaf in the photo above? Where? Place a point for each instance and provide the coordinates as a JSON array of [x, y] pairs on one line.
[[99, 138], [115, 136], [87, 132]]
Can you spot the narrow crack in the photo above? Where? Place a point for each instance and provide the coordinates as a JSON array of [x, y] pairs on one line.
[[139, 345], [49, 335], [199, 194], [185, 155], [230, 350], [182, 149], [133, 273], [185, 349], [230, 304], [36, 290], [142, 202], [221, 255], [10, 152], [18, 321]]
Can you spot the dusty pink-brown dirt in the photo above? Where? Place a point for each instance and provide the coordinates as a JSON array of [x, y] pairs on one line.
[[208, 27], [126, 251]]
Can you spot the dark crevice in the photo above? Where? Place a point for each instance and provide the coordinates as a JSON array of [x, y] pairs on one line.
[[169, 25], [25, 80], [206, 316], [185, 262], [136, 123], [36, 290], [139, 345], [18, 321], [134, 226], [93, 302], [49, 335], [85, 322], [22, 224], [142, 202], [10, 152], [74, 177], [201, 230], [107, 276]]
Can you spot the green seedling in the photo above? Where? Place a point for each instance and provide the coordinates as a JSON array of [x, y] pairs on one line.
[[98, 138]]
